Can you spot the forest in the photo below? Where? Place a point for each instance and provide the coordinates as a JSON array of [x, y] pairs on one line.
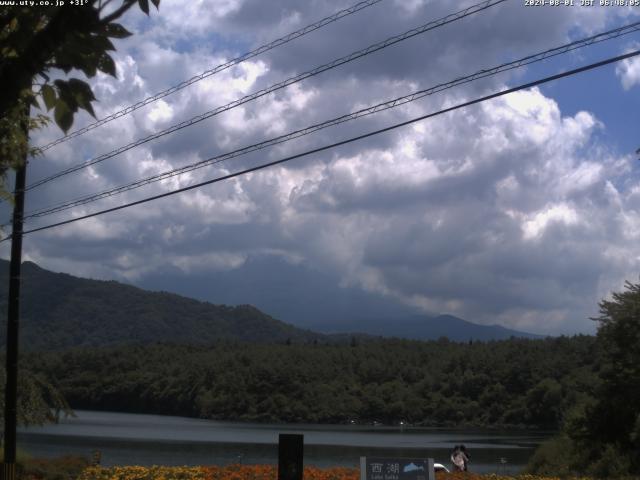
[[439, 383], [583, 387]]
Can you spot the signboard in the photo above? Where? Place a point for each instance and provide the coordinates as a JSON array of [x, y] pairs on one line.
[[290, 456], [387, 468]]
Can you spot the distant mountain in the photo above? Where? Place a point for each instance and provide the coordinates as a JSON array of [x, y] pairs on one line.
[[313, 299], [289, 291], [60, 310], [422, 327]]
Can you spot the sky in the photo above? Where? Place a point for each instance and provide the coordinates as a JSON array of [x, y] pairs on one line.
[[522, 211]]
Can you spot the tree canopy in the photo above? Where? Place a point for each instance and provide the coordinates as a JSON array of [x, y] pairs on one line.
[[39, 44], [601, 436], [39, 400], [612, 423], [439, 383], [35, 42]]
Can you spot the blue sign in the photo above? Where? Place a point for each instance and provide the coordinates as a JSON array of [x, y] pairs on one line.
[[387, 468]]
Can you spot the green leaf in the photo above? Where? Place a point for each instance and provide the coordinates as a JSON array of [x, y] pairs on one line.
[[82, 95], [156, 3], [33, 101], [66, 97], [144, 6], [115, 30], [89, 108], [78, 87], [90, 65], [100, 43], [63, 116], [49, 96], [65, 59], [107, 65]]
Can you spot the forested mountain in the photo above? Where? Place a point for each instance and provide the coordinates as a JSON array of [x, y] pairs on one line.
[[60, 310], [510, 382]]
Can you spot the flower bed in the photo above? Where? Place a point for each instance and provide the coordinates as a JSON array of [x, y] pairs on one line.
[[258, 472], [229, 472]]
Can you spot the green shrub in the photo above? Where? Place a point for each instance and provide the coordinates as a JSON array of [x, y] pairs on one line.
[[610, 464], [555, 457], [63, 468], [21, 455]]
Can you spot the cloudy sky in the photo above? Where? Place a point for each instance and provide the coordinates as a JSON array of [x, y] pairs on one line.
[[522, 211]]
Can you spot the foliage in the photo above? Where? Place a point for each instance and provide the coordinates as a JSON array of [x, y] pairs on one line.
[[14, 142], [616, 416], [228, 472], [556, 457], [39, 401], [142, 473], [36, 40], [21, 456], [426, 383], [264, 472], [63, 468], [603, 430], [609, 430]]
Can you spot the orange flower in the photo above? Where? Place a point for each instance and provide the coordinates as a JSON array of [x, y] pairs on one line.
[[260, 472]]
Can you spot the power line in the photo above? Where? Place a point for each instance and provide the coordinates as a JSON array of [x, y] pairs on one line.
[[343, 142], [608, 35], [246, 56], [290, 81]]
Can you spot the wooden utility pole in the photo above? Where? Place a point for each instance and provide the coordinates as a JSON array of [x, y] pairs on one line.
[[8, 471]]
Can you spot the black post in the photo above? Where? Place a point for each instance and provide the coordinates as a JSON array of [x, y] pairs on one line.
[[290, 453], [13, 318]]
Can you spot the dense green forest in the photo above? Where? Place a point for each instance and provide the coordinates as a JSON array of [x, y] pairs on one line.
[[512, 382], [600, 435]]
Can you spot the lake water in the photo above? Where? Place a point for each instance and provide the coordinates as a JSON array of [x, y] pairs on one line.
[[131, 439]]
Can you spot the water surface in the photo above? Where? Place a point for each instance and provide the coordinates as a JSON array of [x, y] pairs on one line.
[[132, 439]]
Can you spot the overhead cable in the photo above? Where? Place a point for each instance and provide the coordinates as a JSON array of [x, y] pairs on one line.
[[290, 81], [608, 35], [337, 144], [246, 56]]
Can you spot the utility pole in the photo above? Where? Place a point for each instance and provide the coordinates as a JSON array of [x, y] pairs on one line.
[[8, 471]]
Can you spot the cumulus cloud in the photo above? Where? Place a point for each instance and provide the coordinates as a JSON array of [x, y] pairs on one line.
[[628, 71], [508, 234], [510, 212]]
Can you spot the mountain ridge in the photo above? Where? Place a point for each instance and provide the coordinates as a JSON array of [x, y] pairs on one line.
[[61, 310], [424, 327]]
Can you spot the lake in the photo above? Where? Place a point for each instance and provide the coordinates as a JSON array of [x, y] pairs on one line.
[[132, 439]]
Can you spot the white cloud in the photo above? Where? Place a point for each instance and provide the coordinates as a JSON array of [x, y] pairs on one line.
[[629, 72], [401, 225], [160, 114], [534, 227], [510, 211], [209, 262]]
